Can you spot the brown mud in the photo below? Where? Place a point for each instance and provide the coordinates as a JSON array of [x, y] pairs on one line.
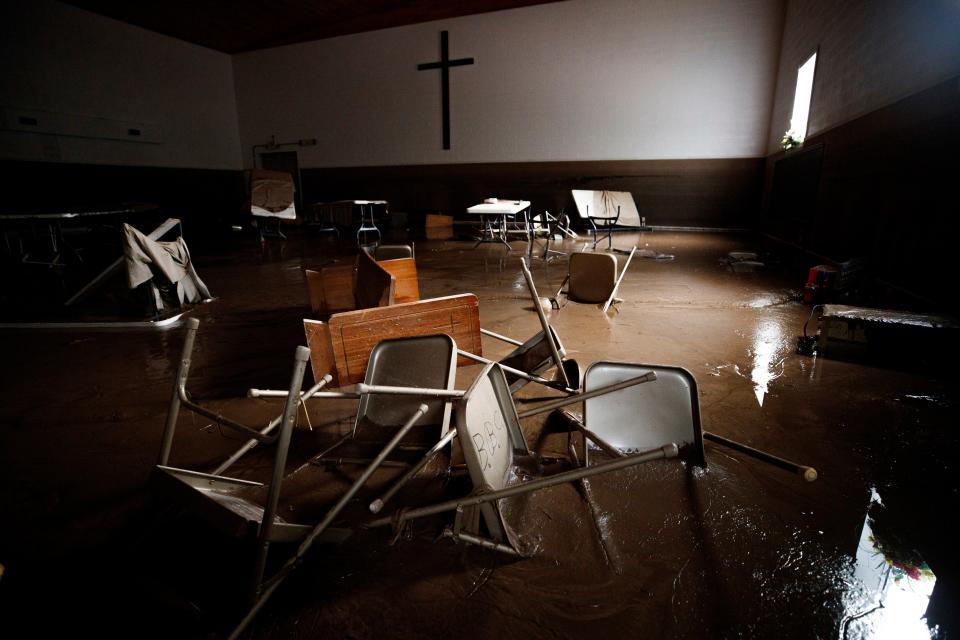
[[663, 550]]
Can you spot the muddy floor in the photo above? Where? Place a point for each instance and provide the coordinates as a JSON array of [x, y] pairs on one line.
[[664, 550]]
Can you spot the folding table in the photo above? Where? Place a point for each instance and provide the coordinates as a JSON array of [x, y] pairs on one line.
[[495, 216]]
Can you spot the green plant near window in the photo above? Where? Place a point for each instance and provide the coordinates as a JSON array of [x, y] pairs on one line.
[[790, 140]]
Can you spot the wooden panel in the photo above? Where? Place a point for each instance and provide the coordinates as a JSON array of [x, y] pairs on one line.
[[880, 187], [204, 199], [438, 227], [337, 288], [405, 271], [796, 178], [375, 286], [321, 351], [355, 333]]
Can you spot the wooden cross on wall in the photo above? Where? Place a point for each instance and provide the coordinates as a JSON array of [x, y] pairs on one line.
[[444, 65]]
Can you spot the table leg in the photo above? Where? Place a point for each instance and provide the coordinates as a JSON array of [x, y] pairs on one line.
[[484, 229], [504, 233]]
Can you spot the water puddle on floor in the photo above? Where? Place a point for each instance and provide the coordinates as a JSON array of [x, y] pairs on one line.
[[768, 343]]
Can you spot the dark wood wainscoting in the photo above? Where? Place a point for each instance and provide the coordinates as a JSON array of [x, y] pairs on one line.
[[882, 186], [204, 198], [722, 193], [698, 193]]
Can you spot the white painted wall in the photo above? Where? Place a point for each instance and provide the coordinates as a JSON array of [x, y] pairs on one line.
[[62, 59], [576, 80], [871, 53]]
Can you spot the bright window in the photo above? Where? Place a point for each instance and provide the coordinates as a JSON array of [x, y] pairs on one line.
[[801, 99]]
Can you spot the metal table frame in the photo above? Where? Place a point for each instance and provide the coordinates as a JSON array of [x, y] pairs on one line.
[[495, 217], [52, 224]]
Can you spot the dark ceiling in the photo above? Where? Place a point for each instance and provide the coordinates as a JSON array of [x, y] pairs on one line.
[[233, 26]]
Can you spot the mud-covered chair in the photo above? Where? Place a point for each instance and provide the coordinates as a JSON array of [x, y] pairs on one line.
[[638, 417], [647, 415], [419, 362], [591, 278]]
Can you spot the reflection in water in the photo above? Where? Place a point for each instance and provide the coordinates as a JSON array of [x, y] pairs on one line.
[[766, 344], [763, 300], [160, 353], [495, 264], [896, 580]]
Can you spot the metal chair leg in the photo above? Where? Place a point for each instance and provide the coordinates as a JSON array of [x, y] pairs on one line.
[[365, 229]]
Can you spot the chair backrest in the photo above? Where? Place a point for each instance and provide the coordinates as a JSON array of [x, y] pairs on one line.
[[392, 252], [335, 288], [608, 220], [375, 286], [407, 287], [533, 356], [421, 361], [645, 416], [592, 276], [489, 433]]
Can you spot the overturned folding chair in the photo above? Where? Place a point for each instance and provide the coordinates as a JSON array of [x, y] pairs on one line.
[[398, 406], [535, 357], [592, 278], [237, 507], [603, 224], [639, 417], [548, 226], [568, 371], [605, 210], [423, 365]]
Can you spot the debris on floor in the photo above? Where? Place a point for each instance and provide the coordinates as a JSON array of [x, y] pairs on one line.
[[830, 283], [742, 261], [654, 255], [860, 333]]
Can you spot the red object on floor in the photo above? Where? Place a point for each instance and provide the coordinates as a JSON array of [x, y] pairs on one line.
[[820, 281]]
